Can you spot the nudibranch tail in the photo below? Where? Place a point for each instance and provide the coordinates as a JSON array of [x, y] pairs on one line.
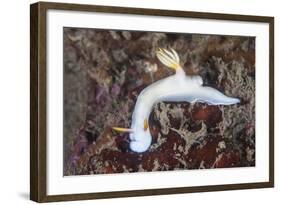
[[121, 129], [170, 59]]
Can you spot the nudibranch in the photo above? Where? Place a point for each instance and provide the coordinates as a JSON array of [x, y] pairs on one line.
[[176, 88]]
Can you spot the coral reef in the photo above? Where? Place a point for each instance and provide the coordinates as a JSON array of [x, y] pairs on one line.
[[104, 71]]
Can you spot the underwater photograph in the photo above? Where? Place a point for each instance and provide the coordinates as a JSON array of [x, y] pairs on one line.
[[142, 101]]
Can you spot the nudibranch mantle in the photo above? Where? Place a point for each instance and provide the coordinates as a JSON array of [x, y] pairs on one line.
[[176, 88]]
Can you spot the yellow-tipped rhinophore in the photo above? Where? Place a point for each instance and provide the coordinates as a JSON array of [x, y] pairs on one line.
[[145, 124], [121, 129], [168, 58]]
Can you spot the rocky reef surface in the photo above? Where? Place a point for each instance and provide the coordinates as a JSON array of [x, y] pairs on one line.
[[104, 71]]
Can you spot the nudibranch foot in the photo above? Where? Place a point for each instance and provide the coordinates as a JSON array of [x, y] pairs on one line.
[[212, 96], [141, 145]]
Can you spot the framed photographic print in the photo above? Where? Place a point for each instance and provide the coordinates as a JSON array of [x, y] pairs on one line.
[[133, 102]]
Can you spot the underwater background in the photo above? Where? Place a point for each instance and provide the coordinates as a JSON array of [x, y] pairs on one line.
[[104, 71]]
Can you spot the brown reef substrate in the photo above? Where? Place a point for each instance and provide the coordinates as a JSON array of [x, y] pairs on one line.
[[103, 74]]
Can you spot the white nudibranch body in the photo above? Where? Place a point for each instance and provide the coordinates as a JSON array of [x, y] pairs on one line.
[[176, 88]]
